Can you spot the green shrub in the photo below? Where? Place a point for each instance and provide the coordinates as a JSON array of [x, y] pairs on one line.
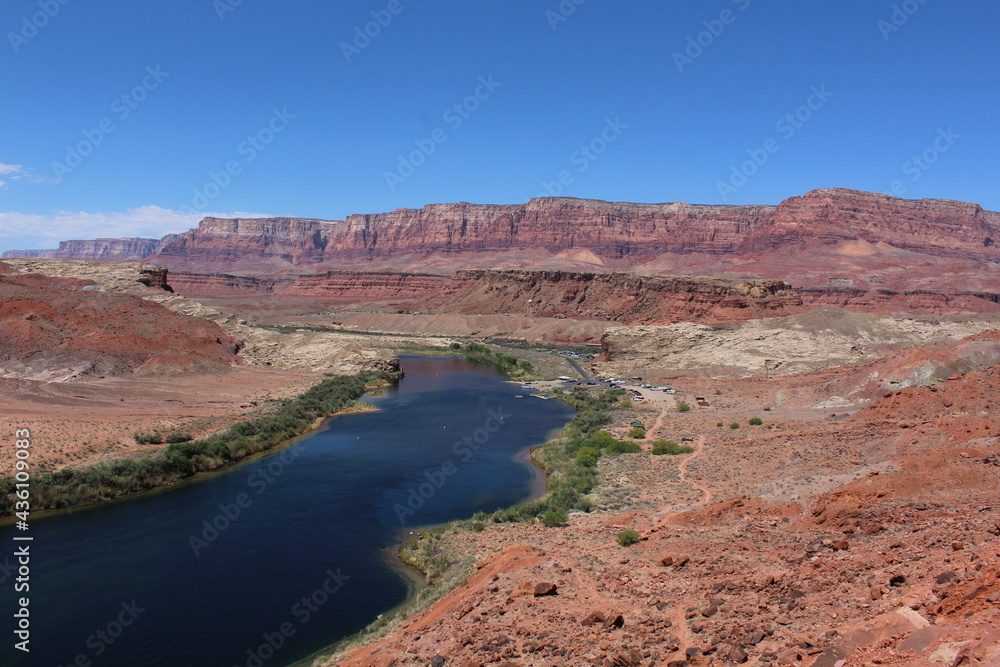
[[683, 407], [478, 526], [555, 517], [624, 447], [755, 421], [456, 346], [636, 432], [627, 538], [670, 447], [625, 405], [177, 437], [718, 392], [587, 457], [583, 504], [149, 438], [718, 425], [734, 425]]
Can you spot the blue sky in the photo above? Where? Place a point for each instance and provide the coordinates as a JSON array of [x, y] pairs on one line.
[[626, 100]]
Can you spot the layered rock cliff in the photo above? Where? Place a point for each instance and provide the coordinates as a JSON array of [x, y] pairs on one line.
[[929, 226], [330, 287], [623, 297], [123, 250], [614, 235], [18, 254]]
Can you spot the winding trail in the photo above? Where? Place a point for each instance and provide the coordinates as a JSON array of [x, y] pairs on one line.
[[699, 449]]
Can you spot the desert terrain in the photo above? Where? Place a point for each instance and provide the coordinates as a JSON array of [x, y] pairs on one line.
[[835, 359], [855, 536]]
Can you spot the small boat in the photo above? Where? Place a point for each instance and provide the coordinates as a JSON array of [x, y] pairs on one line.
[[518, 396]]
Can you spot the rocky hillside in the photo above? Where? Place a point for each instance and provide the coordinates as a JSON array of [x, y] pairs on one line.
[[301, 351], [818, 338], [63, 328]]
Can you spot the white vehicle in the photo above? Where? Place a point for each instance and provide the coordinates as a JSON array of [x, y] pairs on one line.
[[669, 391]]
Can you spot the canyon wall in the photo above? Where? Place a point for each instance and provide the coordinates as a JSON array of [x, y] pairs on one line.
[[611, 235]]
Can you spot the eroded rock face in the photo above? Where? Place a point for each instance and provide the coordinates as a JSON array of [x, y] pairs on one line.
[[330, 286], [625, 297], [932, 226], [814, 339], [59, 329], [128, 277], [302, 351]]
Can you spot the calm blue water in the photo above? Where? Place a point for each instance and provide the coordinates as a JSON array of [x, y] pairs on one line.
[[301, 563]]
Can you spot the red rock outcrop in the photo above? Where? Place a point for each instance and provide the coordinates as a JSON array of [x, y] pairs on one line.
[[63, 328]]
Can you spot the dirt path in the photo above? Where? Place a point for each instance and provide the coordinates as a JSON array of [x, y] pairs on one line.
[[653, 431], [699, 448]]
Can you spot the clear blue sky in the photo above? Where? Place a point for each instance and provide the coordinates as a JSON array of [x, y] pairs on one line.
[[609, 67]]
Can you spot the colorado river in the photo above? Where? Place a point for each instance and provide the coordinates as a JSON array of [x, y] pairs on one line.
[[281, 557]]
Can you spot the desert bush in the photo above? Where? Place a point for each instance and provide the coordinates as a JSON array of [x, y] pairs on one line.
[[627, 538], [683, 407], [755, 421], [670, 447], [149, 438], [734, 425], [555, 517], [637, 432]]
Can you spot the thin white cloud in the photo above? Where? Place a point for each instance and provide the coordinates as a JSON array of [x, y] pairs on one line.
[[46, 231], [17, 171]]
